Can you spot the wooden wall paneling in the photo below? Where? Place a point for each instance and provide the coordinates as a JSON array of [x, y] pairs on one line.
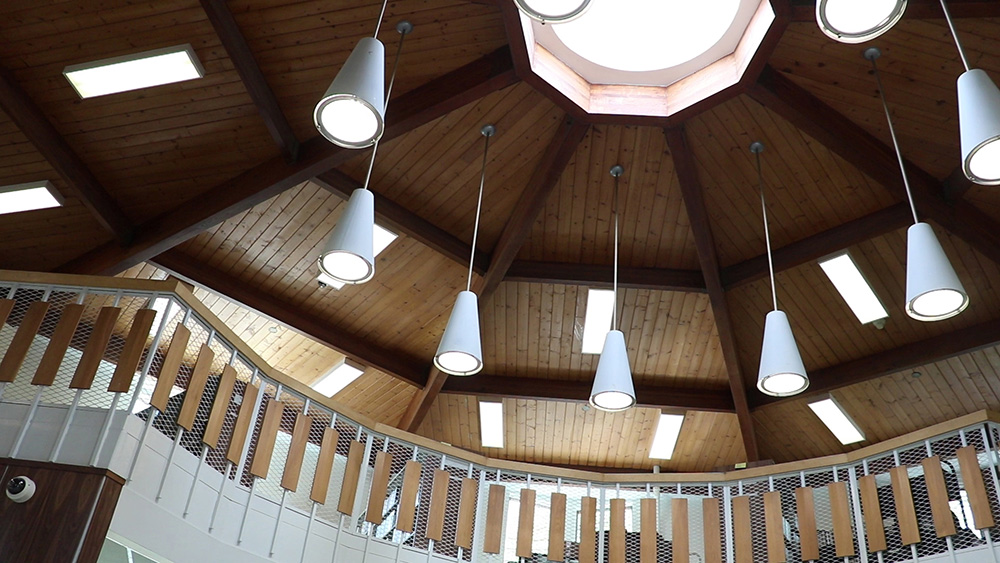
[[526, 523], [773, 525], [169, 368], [14, 356], [408, 496], [872, 512], [265, 439], [843, 534], [195, 388], [680, 533], [93, 352], [805, 510], [906, 514], [493, 537], [937, 493], [438, 505], [135, 344], [972, 478], [242, 427], [557, 527], [296, 452], [712, 532], [220, 407], [616, 534], [467, 513], [59, 342], [324, 467], [742, 535], [588, 530], [352, 474], [380, 486]]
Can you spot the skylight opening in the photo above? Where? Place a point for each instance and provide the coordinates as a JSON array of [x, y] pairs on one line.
[[668, 429], [853, 287], [29, 197], [491, 424], [342, 375], [597, 322], [382, 238], [834, 417], [134, 71]]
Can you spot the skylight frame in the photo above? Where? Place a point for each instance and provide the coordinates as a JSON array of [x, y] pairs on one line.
[[854, 303], [599, 313], [185, 48], [491, 424], [57, 199], [666, 436], [847, 424], [355, 370]]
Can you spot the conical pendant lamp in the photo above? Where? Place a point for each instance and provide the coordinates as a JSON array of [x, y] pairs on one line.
[[349, 253], [553, 11], [460, 351], [613, 390], [781, 372], [933, 290], [857, 21]]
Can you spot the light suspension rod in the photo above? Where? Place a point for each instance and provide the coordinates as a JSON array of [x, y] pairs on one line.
[[381, 14], [487, 131], [756, 148], [954, 34], [404, 28], [616, 171]]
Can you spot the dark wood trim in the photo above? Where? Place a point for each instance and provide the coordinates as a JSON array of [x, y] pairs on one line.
[[805, 10], [30, 119], [421, 403], [694, 203], [253, 79], [268, 179], [600, 275], [956, 185]]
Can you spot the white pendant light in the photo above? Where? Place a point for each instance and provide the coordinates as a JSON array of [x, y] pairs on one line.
[[613, 390], [460, 351], [553, 11], [781, 372], [349, 253], [857, 21], [933, 290]]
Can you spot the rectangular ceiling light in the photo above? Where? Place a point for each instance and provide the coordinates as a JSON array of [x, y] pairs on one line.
[[853, 287], [837, 421], [29, 197], [382, 238], [597, 323], [134, 71], [491, 424], [667, 431], [342, 375]]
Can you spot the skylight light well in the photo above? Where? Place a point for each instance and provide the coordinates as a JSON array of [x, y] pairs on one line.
[[834, 417], [342, 375], [667, 431], [491, 424], [382, 239], [134, 71], [597, 322], [29, 197], [853, 287]]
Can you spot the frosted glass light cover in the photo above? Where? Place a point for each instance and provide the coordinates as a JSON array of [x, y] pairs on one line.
[[351, 113]]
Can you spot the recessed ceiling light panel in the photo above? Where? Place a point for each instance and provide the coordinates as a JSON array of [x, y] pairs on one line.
[[342, 375], [597, 322], [29, 197], [834, 417], [491, 424], [665, 439], [853, 287], [134, 71]]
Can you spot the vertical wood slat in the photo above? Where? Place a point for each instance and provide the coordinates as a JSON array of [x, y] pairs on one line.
[[712, 532], [242, 427], [937, 494], [679, 532], [352, 474], [296, 452], [742, 536], [648, 532], [195, 388], [324, 466], [169, 368], [906, 514], [48, 368], [220, 407], [805, 509], [871, 511], [6, 306], [494, 519], [467, 513], [97, 344], [840, 510], [616, 534], [557, 527], [972, 477], [135, 344], [439, 504], [588, 530], [774, 528], [265, 439], [408, 497], [13, 358], [526, 523], [380, 485]]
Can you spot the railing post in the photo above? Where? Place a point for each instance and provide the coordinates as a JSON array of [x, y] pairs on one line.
[[727, 511], [601, 525], [10, 295], [991, 459], [479, 529], [359, 495], [859, 525], [16, 448]]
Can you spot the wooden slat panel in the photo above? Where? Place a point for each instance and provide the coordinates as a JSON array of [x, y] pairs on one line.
[[220, 407], [195, 388], [712, 532], [6, 306], [494, 519], [168, 370], [743, 539], [13, 358], [380, 485], [48, 368], [616, 535], [679, 531], [296, 452], [588, 530], [408, 497], [324, 466], [352, 473], [557, 527], [843, 535], [526, 523], [972, 477], [93, 352], [872, 512], [773, 521], [937, 493], [265, 439], [906, 515], [242, 426], [467, 513], [805, 509], [439, 504], [135, 343]]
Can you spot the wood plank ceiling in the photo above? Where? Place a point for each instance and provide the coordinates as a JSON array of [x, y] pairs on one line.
[[224, 182]]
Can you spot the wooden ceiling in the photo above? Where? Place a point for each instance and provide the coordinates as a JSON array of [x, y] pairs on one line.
[[223, 181]]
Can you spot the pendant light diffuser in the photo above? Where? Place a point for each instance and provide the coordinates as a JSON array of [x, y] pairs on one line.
[[613, 390], [553, 11], [349, 254], [857, 21], [933, 290], [351, 113], [460, 351], [782, 372], [979, 125]]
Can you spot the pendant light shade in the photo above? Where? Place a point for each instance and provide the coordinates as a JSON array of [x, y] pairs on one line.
[[553, 11], [351, 113], [613, 390], [979, 124], [933, 290], [349, 255], [460, 351], [782, 372], [857, 21]]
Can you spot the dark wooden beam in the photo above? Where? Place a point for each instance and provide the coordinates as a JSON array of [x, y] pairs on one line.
[[921, 353], [956, 185], [694, 203], [652, 396], [417, 107], [805, 10], [600, 275], [30, 119], [401, 220], [253, 79], [819, 245], [410, 369]]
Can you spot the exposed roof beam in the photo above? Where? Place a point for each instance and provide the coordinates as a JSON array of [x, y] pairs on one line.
[[694, 203], [409, 369], [253, 79], [956, 184], [600, 275], [805, 10], [268, 179], [29, 118]]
